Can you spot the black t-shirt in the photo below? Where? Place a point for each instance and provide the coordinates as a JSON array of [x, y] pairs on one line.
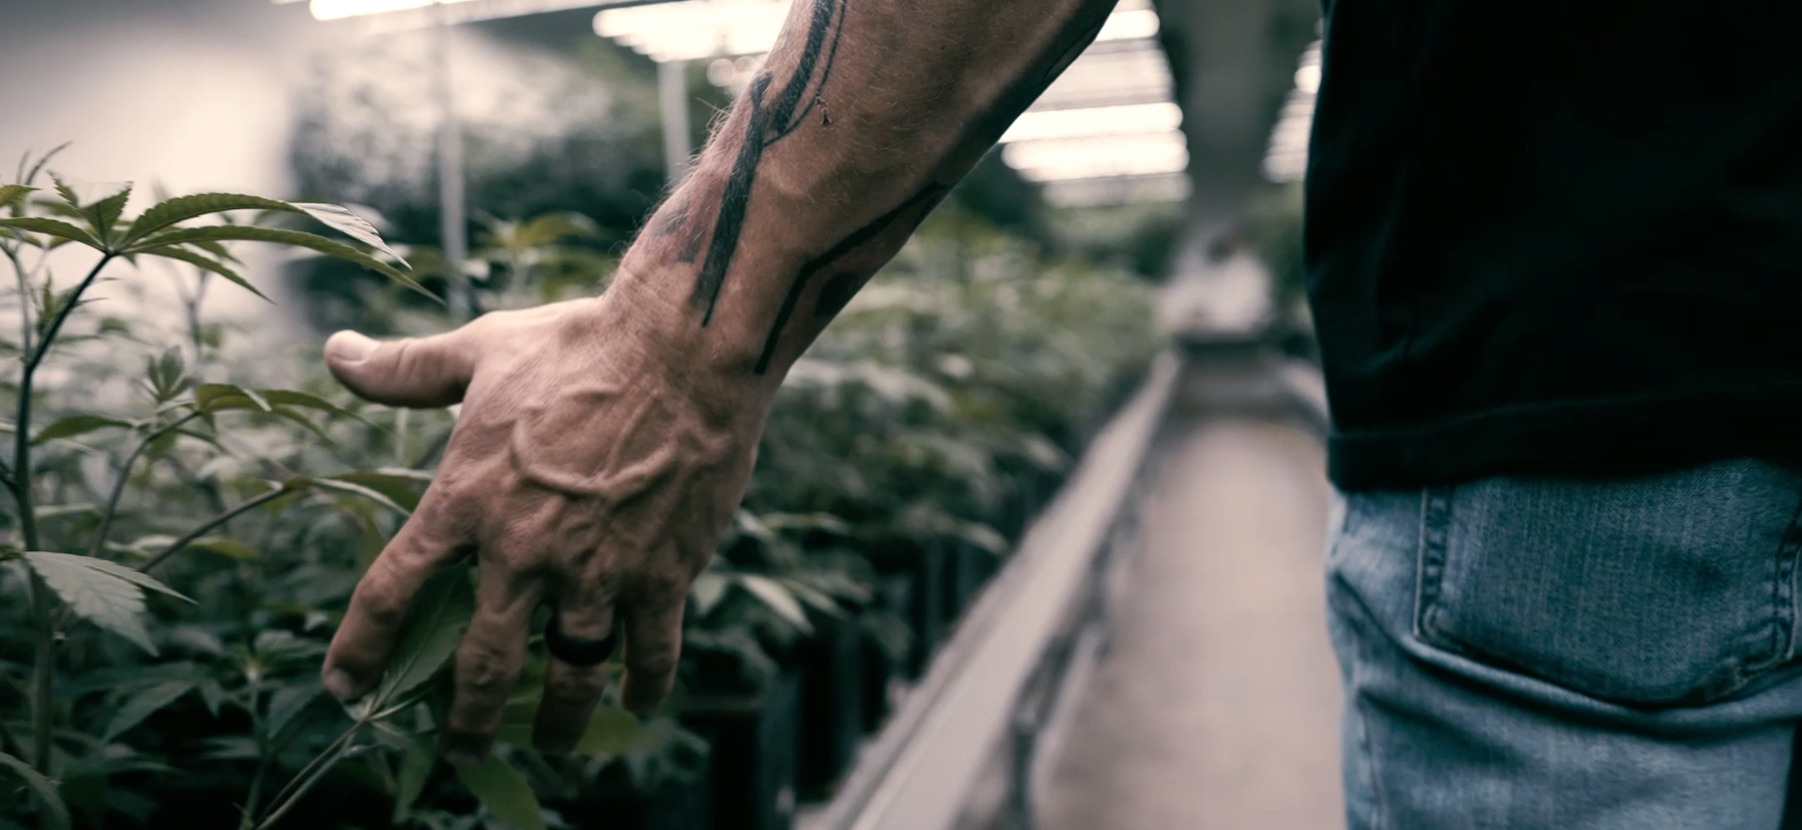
[[1557, 237]]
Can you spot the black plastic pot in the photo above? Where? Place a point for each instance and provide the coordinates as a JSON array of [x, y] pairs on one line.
[[881, 669], [613, 803], [831, 667], [753, 740], [926, 611], [966, 569]]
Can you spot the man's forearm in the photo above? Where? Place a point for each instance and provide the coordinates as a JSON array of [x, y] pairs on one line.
[[863, 117]]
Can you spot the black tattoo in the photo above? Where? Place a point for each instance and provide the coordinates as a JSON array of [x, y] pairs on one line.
[[672, 218], [769, 123], [978, 137], [837, 293], [906, 218]]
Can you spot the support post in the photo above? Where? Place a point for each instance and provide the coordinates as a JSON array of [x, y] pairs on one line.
[[672, 100], [453, 222]]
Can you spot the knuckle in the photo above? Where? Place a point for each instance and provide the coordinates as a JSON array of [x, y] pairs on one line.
[[484, 672], [664, 585], [381, 599], [652, 663], [574, 689]]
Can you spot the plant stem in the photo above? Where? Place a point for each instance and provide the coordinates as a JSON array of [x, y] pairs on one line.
[[243, 507], [308, 774], [62, 315], [112, 501], [43, 606], [43, 673], [276, 815]]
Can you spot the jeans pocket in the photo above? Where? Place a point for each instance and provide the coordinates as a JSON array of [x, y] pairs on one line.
[[1662, 590]]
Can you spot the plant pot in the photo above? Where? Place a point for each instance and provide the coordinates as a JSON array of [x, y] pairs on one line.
[[831, 666], [966, 569], [882, 670], [926, 611], [612, 802], [752, 761]]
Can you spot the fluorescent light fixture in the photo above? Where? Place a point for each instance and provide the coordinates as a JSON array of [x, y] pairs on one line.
[[340, 9], [1098, 157], [1090, 121], [1162, 187], [694, 29], [1286, 158]]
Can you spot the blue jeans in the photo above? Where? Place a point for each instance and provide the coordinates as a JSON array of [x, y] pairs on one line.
[[1577, 655]]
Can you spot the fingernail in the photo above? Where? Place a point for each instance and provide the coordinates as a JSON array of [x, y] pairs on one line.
[[339, 683], [350, 346], [463, 759]]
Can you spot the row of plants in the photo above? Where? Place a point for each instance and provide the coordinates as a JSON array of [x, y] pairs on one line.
[[191, 508]]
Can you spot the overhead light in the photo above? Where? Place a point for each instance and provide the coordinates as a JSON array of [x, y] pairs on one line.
[[1160, 117], [340, 9], [1097, 157], [694, 29]]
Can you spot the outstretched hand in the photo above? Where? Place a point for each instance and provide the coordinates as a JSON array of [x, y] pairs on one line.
[[582, 474]]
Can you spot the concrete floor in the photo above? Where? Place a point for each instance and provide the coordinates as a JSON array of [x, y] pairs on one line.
[[1217, 706]]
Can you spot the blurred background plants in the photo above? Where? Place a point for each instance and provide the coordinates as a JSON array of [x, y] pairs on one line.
[[202, 506]]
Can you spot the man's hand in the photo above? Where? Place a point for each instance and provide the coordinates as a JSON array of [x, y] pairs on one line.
[[605, 443], [583, 474]]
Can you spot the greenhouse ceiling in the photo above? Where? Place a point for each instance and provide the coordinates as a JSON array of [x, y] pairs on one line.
[[1107, 130]]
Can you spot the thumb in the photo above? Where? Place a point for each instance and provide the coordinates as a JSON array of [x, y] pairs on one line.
[[418, 371]]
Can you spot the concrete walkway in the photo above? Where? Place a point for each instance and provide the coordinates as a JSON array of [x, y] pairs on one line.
[[1217, 706]]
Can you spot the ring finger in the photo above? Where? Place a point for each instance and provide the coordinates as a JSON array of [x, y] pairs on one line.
[[579, 640]]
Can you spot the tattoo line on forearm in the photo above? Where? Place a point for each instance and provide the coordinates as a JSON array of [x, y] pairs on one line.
[[767, 125], [908, 216], [980, 134]]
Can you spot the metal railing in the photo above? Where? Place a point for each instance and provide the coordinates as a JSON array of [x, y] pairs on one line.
[[1013, 671]]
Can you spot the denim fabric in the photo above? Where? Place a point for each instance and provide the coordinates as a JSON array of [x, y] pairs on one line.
[[1578, 655]]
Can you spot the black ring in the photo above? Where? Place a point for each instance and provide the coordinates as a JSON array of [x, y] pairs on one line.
[[574, 650]]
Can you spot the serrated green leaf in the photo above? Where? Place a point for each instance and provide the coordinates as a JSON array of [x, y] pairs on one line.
[[45, 512], [65, 192], [221, 397], [403, 486], [814, 598], [101, 597], [777, 598], [182, 208], [181, 254], [232, 748], [13, 194], [505, 792], [142, 705], [75, 425], [611, 731], [416, 762], [105, 213], [212, 694], [56, 813], [287, 702], [355, 489], [429, 634], [226, 547], [51, 227], [304, 400], [299, 239], [340, 218], [708, 589]]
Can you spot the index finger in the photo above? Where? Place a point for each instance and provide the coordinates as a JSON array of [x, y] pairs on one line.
[[372, 624]]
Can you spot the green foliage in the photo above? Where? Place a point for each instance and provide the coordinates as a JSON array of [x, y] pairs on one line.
[[947, 398]]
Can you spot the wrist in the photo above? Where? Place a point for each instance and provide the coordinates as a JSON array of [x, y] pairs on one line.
[[644, 320]]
